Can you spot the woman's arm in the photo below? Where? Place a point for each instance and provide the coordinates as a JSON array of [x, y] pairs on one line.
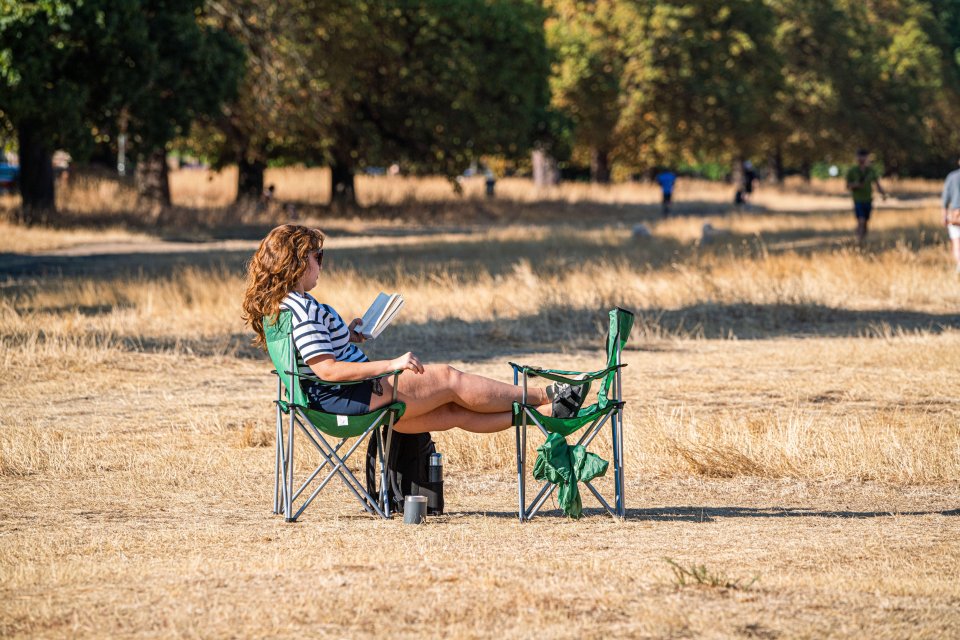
[[331, 370]]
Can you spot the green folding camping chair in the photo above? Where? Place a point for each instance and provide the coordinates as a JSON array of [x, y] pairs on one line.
[[590, 419], [292, 401]]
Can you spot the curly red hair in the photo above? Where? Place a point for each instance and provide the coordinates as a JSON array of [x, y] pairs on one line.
[[276, 268]]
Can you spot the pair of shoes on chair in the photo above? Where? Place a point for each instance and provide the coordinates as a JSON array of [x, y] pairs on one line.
[[567, 398]]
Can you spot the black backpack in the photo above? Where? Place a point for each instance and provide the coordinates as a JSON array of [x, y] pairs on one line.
[[407, 474]]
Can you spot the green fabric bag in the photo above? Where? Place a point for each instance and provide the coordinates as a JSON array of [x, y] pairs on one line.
[[565, 466]]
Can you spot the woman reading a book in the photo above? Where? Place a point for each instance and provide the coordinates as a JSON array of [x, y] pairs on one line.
[[438, 397]]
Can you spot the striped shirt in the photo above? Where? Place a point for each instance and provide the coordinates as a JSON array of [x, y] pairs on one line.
[[318, 330]]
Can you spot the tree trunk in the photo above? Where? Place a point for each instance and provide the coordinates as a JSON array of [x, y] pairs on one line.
[[775, 165], [250, 178], [805, 170], [36, 174], [545, 172], [342, 192], [738, 172], [599, 165], [153, 183]]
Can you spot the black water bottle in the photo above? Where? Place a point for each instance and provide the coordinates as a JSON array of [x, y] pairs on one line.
[[434, 486], [435, 468]]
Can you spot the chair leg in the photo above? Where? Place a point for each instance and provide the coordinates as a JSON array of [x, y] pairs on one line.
[[622, 506], [382, 458], [288, 503], [615, 442], [279, 448], [520, 475], [340, 468], [537, 503], [276, 471], [523, 466]]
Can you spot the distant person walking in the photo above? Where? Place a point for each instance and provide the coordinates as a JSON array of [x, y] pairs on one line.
[[860, 181], [666, 179], [748, 176], [951, 213]]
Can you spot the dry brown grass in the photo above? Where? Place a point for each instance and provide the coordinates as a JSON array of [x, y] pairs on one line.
[[791, 418], [204, 201], [203, 188]]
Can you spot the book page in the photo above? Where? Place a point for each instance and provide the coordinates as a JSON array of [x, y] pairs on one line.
[[391, 310], [372, 316], [380, 314]]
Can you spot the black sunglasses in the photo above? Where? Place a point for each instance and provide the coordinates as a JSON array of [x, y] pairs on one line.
[[320, 256]]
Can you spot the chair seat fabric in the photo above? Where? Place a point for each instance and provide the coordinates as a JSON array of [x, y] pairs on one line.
[[350, 426], [564, 426]]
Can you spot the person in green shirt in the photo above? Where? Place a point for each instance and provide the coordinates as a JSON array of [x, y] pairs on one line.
[[860, 181]]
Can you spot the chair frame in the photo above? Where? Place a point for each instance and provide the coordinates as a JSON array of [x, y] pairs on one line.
[[615, 416], [284, 494]]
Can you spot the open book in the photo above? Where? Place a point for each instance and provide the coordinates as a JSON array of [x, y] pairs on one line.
[[380, 314]]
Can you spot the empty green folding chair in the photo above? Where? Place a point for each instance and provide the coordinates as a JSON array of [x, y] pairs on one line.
[[589, 419], [292, 401]]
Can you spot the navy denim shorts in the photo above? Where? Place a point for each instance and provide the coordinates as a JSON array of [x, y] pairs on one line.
[[863, 210], [342, 399]]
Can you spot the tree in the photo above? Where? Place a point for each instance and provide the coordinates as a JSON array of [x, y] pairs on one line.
[[431, 85], [185, 70], [282, 108], [915, 85], [45, 74], [814, 40], [587, 76], [880, 75], [700, 78], [75, 71]]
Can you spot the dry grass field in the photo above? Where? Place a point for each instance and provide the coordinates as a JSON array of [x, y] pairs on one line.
[[792, 426]]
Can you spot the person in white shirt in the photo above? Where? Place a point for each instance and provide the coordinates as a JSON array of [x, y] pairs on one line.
[[287, 265]]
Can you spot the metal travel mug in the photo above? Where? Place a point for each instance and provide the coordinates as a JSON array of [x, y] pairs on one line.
[[435, 468], [414, 509]]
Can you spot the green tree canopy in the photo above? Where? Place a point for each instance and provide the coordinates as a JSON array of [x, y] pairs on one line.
[[432, 84], [701, 78], [78, 71], [587, 76]]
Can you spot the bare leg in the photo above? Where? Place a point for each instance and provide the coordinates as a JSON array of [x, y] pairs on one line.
[[451, 415], [440, 384], [861, 231]]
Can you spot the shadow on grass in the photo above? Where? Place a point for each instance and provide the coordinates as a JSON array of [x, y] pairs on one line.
[[712, 514], [559, 330], [458, 254], [808, 242], [463, 257], [244, 220], [109, 266]]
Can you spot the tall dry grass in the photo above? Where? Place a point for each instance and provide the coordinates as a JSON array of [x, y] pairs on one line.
[[471, 293]]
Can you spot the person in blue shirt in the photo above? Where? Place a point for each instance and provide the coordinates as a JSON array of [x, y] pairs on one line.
[[9, 175], [666, 179]]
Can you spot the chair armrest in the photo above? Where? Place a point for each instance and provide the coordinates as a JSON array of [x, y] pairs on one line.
[[559, 375], [332, 383]]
